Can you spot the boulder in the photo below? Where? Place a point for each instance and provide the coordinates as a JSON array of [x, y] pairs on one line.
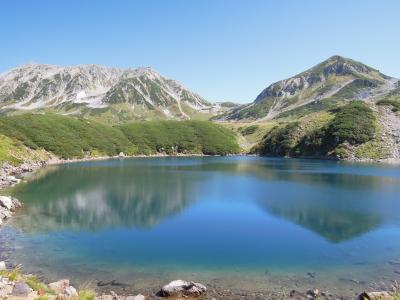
[[70, 292], [6, 202], [312, 294], [21, 289], [59, 286], [4, 213], [5, 290], [375, 296], [2, 264], [181, 288], [16, 203]]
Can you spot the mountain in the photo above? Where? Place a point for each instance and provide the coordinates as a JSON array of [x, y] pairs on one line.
[[327, 85], [97, 91]]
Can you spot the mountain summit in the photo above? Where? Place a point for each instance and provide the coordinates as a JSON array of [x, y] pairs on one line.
[[329, 83], [96, 90]]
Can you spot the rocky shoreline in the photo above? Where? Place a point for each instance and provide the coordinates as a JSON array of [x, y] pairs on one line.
[[15, 285]]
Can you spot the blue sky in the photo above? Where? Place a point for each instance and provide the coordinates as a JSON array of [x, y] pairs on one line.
[[226, 50]]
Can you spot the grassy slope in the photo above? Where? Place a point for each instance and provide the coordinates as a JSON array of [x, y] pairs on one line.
[[180, 136], [334, 133], [70, 137], [15, 152], [392, 99], [249, 134]]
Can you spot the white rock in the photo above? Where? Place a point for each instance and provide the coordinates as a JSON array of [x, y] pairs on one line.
[[183, 288], [137, 297], [6, 291], [6, 202], [376, 296], [70, 292], [59, 286], [2, 263]]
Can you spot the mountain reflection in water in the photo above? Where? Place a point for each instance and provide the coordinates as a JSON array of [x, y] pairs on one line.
[[335, 200]]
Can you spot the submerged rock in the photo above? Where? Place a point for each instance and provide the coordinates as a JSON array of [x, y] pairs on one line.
[[179, 288]]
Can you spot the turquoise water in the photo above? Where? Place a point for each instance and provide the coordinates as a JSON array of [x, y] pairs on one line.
[[221, 215]]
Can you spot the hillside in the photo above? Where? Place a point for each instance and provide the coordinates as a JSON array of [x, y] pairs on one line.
[[97, 92], [327, 85], [353, 131], [70, 137]]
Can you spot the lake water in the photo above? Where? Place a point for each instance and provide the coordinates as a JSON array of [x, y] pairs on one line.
[[238, 223]]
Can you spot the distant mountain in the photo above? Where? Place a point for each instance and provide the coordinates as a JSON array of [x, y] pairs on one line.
[[119, 94], [329, 84]]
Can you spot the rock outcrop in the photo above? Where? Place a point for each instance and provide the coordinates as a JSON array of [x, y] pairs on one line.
[[181, 288], [8, 205]]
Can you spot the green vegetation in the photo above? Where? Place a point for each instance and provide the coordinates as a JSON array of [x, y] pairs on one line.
[[395, 104], [280, 140], [15, 152], [86, 294], [66, 137], [354, 87], [35, 284], [321, 105], [353, 124], [180, 137], [69, 137], [248, 129], [392, 99]]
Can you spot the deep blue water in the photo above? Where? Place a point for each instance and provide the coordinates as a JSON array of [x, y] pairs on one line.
[[240, 214]]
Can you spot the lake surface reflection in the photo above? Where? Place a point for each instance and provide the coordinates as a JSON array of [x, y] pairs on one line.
[[222, 215]]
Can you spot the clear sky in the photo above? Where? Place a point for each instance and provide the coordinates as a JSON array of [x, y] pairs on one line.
[[225, 50]]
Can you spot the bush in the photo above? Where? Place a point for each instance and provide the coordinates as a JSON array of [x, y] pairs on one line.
[[249, 129], [353, 123], [280, 141], [174, 137], [69, 137]]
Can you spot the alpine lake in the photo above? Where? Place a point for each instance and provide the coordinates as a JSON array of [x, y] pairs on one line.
[[238, 224]]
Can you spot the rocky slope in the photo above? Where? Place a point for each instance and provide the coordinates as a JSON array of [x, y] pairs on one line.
[[99, 91], [327, 85]]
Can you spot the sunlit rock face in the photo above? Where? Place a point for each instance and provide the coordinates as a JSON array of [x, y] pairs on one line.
[[94, 90]]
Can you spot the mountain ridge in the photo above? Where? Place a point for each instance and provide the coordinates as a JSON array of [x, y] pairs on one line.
[[142, 92], [337, 79]]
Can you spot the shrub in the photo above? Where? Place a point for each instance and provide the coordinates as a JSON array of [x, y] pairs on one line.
[[353, 123]]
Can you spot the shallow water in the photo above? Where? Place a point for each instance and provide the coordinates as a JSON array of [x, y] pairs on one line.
[[263, 223]]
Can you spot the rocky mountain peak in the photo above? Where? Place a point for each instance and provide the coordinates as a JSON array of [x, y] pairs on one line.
[[76, 88]]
